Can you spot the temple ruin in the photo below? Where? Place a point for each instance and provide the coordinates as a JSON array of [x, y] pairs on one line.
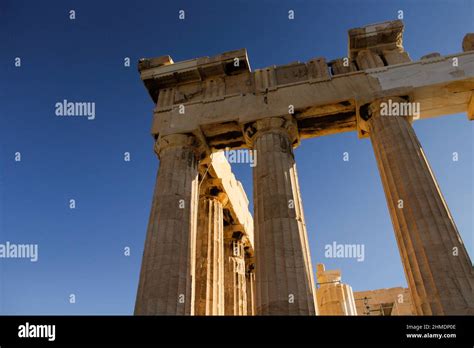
[[205, 255], [336, 298]]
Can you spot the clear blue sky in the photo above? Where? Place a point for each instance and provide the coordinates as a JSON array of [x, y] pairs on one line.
[[81, 250]]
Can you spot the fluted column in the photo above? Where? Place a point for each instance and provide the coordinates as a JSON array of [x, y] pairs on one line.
[[235, 293], [438, 269], [209, 298], [284, 276], [166, 282], [250, 285]]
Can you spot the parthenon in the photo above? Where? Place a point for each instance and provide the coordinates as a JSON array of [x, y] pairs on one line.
[[205, 254]]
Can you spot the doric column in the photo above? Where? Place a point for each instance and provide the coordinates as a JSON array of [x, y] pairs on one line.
[[250, 284], [209, 298], [437, 266], [235, 293], [166, 282], [284, 276]]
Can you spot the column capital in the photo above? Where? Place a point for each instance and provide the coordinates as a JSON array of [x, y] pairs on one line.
[[468, 42], [286, 125], [387, 107], [179, 140], [220, 196], [234, 232], [212, 189], [250, 264]]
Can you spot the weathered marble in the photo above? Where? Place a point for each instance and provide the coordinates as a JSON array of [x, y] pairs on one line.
[[284, 278], [437, 267], [166, 284], [207, 104], [334, 297], [234, 274], [209, 296]]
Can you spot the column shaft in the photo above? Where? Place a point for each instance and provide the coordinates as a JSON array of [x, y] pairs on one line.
[[250, 287], [166, 278], [284, 276], [436, 264], [234, 276], [209, 299]]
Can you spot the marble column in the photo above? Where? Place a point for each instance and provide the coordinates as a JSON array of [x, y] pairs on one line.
[[284, 276], [437, 267], [166, 282], [235, 293], [250, 285], [209, 298]]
